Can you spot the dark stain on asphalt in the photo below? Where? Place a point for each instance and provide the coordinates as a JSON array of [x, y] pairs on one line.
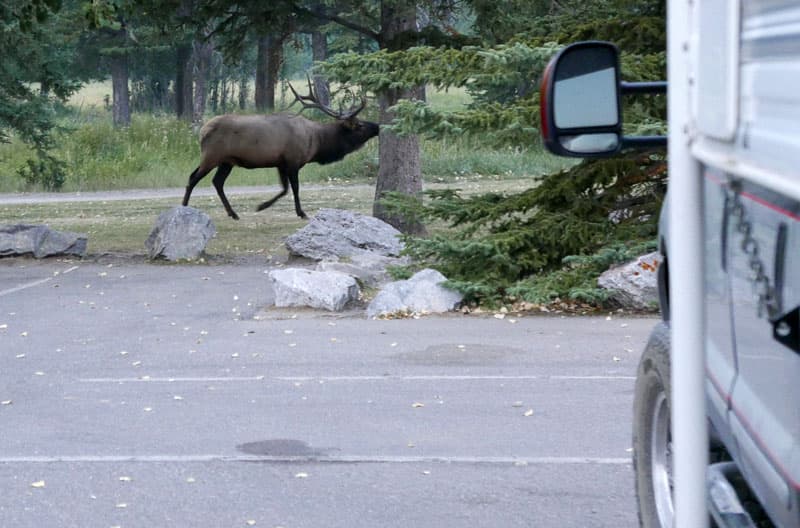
[[280, 447]]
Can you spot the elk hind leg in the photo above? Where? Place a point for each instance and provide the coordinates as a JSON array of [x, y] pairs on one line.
[[219, 182], [284, 183], [198, 174]]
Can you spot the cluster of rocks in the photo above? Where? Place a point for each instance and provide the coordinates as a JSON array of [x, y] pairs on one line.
[[180, 233], [352, 251]]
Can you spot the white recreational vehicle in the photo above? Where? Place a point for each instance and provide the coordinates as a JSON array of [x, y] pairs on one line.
[[717, 403]]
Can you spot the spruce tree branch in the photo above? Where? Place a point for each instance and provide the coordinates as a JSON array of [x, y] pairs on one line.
[[223, 24], [331, 17]]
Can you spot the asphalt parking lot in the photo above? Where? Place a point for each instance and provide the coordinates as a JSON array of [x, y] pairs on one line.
[[142, 395]]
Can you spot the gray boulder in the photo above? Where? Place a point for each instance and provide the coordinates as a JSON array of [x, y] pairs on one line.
[[336, 233], [327, 290], [367, 268], [40, 241], [180, 233], [634, 285], [422, 293]]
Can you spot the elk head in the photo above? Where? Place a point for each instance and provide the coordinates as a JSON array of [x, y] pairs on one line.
[[353, 131]]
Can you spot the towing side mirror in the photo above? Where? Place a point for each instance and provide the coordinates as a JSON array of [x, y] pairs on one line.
[[581, 114]]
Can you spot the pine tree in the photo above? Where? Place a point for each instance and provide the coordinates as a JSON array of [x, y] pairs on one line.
[[546, 242], [36, 74]]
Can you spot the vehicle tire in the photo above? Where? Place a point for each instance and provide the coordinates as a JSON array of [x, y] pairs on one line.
[[652, 440]]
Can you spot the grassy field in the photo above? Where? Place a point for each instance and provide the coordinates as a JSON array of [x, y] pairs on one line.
[[120, 227], [160, 151]]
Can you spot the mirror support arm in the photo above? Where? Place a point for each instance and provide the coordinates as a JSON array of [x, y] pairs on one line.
[[658, 87], [644, 141]]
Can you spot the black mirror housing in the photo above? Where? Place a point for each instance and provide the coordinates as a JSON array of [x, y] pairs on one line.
[[581, 112]]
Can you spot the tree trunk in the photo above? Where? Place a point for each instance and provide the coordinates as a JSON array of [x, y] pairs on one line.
[[274, 60], [270, 56], [319, 52], [224, 91], [400, 168], [183, 83], [243, 92], [261, 74], [120, 93], [202, 54], [215, 95]]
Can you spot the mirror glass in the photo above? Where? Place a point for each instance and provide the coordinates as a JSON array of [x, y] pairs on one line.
[[590, 143], [585, 90]]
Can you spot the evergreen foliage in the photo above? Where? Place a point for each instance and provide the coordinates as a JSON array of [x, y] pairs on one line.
[[498, 246], [549, 241], [35, 76]]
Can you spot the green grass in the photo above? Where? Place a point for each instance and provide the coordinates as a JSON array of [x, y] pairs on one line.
[[161, 151], [121, 227]]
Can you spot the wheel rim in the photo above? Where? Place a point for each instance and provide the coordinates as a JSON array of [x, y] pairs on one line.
[[661, 457]]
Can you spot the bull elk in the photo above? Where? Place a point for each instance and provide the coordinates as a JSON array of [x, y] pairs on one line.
[[285, 141]]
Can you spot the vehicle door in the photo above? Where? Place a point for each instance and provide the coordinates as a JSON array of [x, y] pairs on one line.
[[765, 258], [765, 401]]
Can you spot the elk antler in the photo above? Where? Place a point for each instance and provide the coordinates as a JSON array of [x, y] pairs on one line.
[[312, 101]]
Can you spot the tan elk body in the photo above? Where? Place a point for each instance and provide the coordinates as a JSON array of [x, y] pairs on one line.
[[285, 141]]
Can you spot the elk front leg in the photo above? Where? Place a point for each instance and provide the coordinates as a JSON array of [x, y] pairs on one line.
[[295, 183]]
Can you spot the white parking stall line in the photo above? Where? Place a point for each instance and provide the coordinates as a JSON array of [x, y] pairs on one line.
[[25, 286], [320, 459], [195, 379], [35, 283], [233, 379]]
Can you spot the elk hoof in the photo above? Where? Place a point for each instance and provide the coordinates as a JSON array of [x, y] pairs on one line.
[[233, 215], [302, 215]]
